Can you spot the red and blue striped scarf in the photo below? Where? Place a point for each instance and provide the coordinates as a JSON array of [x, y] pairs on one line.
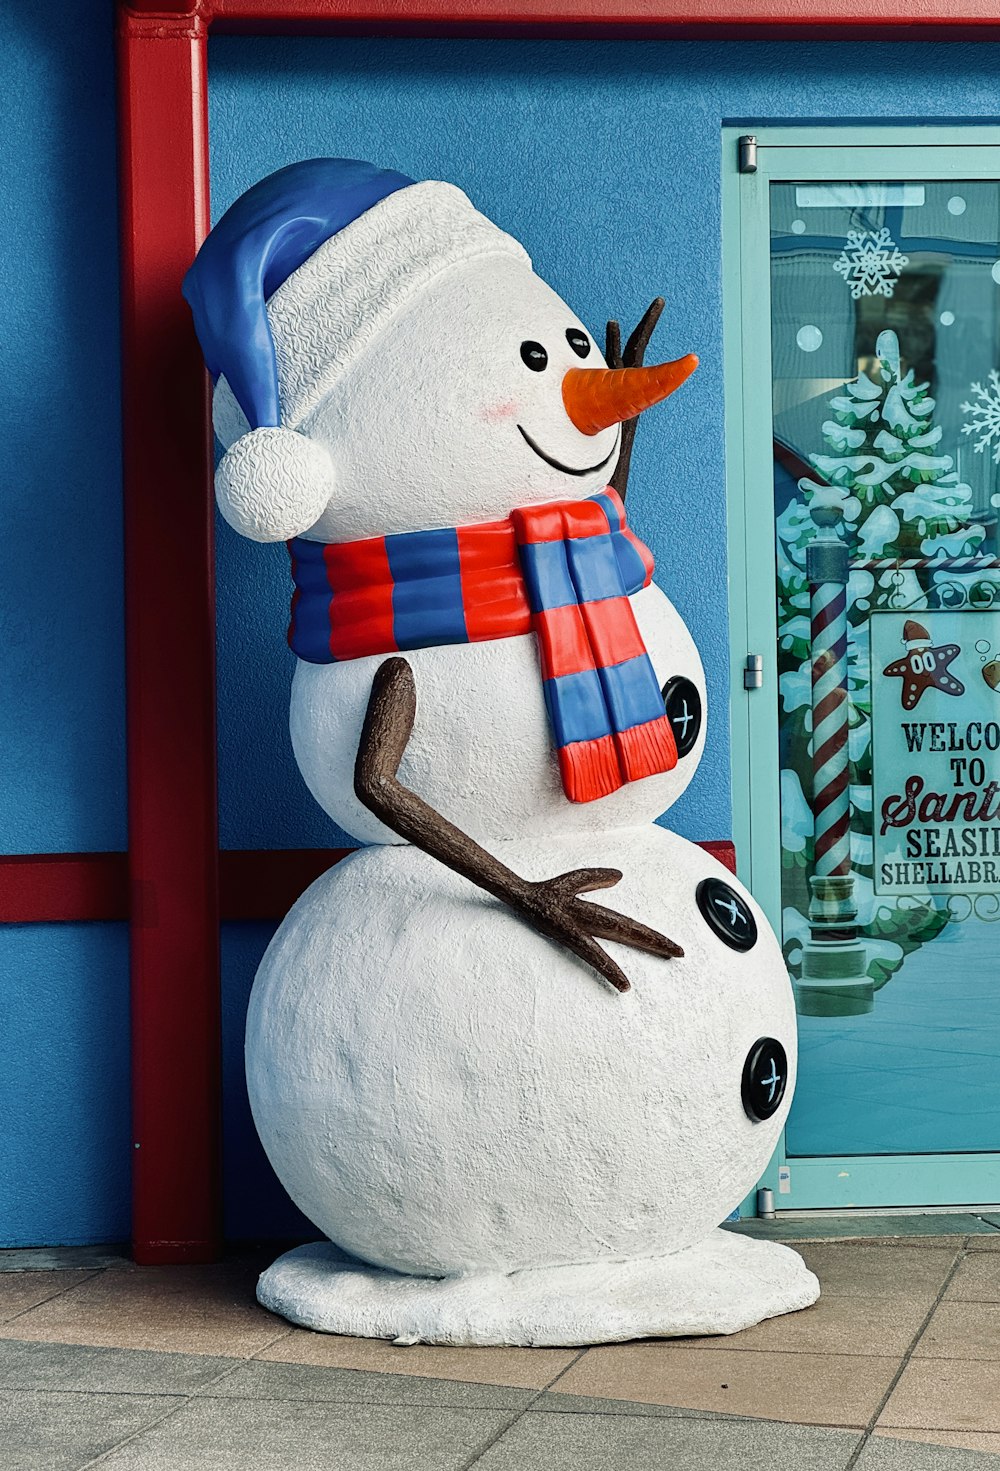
[[563, 571]]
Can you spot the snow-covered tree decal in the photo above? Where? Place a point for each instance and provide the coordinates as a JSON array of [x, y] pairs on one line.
[[901, 502]]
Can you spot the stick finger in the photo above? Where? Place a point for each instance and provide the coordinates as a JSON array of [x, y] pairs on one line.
[[635, 348], [585, 880], [590, 952], [608, 924]]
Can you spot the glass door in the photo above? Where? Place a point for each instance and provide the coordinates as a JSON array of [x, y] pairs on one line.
[[869, 460]]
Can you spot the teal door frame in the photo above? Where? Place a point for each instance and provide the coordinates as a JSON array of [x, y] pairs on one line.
[[790, 153]]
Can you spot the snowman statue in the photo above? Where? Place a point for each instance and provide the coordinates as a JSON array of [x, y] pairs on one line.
[[518, 1114]]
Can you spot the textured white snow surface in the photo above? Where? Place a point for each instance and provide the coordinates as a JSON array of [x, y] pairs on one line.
[[443, 1090], [724, 1284]]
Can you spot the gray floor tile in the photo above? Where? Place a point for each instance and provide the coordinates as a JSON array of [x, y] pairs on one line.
[[906, 1272], [977, 1278], [56, 1432], [554, 1403], [856, 1228], [269, 1435], [265, 1380], [22, 1292], [72, 1366], [63, 1258], [602, 1442], [884, 1454]]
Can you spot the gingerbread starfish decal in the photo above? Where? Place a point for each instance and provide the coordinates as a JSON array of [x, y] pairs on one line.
[[923, 667]]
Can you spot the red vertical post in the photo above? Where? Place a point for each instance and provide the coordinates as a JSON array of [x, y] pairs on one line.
[[170, 639]]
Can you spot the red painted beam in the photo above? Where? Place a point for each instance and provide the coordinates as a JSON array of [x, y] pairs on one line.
[[42, 888], [38, 887], [254, 885], [722, 850], [265, 884], [170, 646], [635, 19]]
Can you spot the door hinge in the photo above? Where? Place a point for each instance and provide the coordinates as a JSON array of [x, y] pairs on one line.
[[753, 672], [747, 153]]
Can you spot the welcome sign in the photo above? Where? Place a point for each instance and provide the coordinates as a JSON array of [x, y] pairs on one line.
[[936, 751]]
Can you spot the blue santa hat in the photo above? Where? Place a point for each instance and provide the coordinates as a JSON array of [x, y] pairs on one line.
[[267, 234], [290, 286]]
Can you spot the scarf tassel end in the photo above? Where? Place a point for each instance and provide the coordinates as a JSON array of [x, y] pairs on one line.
[[590, 769], [594, 769], [646, 750]]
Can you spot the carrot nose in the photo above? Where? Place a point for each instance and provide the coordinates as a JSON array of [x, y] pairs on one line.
[[596, 398]]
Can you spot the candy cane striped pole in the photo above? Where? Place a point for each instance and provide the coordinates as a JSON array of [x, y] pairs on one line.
[[827, 569], [834, 978], [939, 564]]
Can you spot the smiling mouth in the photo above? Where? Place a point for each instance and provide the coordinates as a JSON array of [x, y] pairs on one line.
[[558, 465]]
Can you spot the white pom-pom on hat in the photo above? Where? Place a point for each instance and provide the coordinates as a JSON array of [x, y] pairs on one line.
[[273, 484]]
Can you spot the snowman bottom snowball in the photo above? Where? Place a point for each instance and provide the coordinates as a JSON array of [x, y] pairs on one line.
[[449, 1095]]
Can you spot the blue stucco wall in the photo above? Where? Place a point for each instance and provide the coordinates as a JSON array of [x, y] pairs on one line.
[[64, 1101], [61, 678], [604, 160]]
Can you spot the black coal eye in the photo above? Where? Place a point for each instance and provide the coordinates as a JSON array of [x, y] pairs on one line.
[[578, 341], [534, 356]]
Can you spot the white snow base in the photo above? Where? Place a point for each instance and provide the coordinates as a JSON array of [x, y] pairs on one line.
[[723, 1284]]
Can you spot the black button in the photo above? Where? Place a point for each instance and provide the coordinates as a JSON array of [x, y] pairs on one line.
[[765, 1075], [727, 913], [682, 703]]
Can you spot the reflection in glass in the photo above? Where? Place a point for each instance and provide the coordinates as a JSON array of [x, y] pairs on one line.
[[886, 411]]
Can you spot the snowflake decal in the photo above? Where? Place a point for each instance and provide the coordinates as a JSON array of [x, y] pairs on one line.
[[984, 415], [870, 262]]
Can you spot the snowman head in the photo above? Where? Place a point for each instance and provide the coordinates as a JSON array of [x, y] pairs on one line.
[[386, 360]]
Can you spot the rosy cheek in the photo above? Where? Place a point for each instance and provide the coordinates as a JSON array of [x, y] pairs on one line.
[[495, 413]]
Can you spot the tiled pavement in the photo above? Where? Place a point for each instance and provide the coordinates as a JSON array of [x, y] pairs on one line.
[[897, 1368]]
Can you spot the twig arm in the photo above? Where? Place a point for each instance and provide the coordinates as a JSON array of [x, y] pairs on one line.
[[551, 906]]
